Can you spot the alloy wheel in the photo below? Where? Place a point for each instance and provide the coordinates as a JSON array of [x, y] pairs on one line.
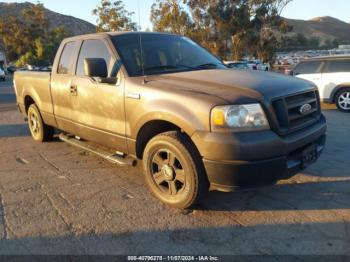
[[344, 101], [167, 172], [34, 124]]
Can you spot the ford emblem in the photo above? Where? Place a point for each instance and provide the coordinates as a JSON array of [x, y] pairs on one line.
[[305, 109]]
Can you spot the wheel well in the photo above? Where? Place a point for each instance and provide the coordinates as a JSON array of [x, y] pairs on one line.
[[339, 89], [150, 130], [28, 101]]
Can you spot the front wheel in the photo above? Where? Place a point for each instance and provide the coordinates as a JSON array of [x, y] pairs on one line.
[[173, 170], [39, 130], [343, 100]]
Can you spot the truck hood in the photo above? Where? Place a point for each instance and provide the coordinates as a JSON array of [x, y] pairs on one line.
[[232, 86]]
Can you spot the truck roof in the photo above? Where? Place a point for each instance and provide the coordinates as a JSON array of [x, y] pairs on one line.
[[103, 34]]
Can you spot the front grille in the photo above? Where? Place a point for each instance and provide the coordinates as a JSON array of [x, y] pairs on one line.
[[289, 117]]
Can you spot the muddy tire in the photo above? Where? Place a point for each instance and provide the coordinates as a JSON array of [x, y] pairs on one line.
[[174, 171], [39, 130]]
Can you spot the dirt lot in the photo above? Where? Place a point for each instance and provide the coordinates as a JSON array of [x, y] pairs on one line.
[[57, 199]]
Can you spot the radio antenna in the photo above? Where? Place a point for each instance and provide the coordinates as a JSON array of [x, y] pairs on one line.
[[138, 6]]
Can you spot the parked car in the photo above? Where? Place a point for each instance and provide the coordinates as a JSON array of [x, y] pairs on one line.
[[253, 65], [331, 75], [2, 75], [237, 64], [11, 69], [258, 65], [195, 124]]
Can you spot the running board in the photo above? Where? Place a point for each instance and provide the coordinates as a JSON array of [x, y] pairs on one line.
[[90, 147]]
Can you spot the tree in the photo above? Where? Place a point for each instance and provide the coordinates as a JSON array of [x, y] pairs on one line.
[[314, 42], [44, 50], [112, 16], [36, 20], [266, 21], [15, 36], [229, 28], [336, 43], [267, 45], [170, 16], [217, 22], [29, 40]]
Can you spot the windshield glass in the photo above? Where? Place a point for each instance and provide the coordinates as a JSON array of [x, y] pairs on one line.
[[162, 53]]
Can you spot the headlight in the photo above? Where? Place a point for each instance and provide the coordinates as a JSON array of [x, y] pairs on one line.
[[239, 118]]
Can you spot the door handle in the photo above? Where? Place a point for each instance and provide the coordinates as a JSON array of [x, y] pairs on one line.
[[74, 90]]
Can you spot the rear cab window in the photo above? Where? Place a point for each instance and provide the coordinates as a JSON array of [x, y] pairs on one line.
[[65, 63], [337, 66], [308, 67]]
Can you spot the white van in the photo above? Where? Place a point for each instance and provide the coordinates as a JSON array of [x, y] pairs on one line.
[[331, 75]]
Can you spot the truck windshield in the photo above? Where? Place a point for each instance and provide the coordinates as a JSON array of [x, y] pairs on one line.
[[162, 53]]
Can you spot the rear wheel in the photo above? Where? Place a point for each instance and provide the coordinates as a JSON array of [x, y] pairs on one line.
[[173, 170], [343, 100], [39, 130]]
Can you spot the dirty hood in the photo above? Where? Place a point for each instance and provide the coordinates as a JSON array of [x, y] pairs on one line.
[[232, 85]]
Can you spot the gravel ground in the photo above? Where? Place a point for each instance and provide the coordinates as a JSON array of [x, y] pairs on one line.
[[57, 199]]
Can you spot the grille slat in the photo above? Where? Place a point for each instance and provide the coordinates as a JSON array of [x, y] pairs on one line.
[[295, 116], [301, 102], [288, 112]]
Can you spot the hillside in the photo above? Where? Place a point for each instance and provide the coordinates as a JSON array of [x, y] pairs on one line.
[[74, 25], [322, 27]]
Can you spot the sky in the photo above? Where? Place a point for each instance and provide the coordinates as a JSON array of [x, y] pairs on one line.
[[298, 9]]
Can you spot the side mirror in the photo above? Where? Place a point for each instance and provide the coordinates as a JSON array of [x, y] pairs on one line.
[[95, 67]]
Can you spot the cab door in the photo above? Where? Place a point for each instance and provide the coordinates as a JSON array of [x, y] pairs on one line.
[[61, 86], [99, 107]]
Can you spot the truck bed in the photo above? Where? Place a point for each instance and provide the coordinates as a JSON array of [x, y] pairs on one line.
[[37, 84]]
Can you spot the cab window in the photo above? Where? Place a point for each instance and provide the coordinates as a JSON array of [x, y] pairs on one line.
[[94, 49], [64, 65]]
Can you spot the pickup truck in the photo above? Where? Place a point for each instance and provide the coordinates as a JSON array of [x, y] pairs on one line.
[[196, 125]]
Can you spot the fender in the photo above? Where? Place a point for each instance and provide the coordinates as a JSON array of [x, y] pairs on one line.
[[336, 89], [29, 90], [170, 111]]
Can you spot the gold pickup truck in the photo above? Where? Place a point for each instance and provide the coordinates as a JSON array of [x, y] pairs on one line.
[[160, 98]]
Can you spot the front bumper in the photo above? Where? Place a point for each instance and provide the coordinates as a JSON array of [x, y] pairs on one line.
[[244, 160]]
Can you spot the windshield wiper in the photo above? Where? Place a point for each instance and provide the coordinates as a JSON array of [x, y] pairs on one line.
[[166, 67]]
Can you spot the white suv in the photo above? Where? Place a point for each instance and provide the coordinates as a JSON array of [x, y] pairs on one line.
[[331, 75]]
